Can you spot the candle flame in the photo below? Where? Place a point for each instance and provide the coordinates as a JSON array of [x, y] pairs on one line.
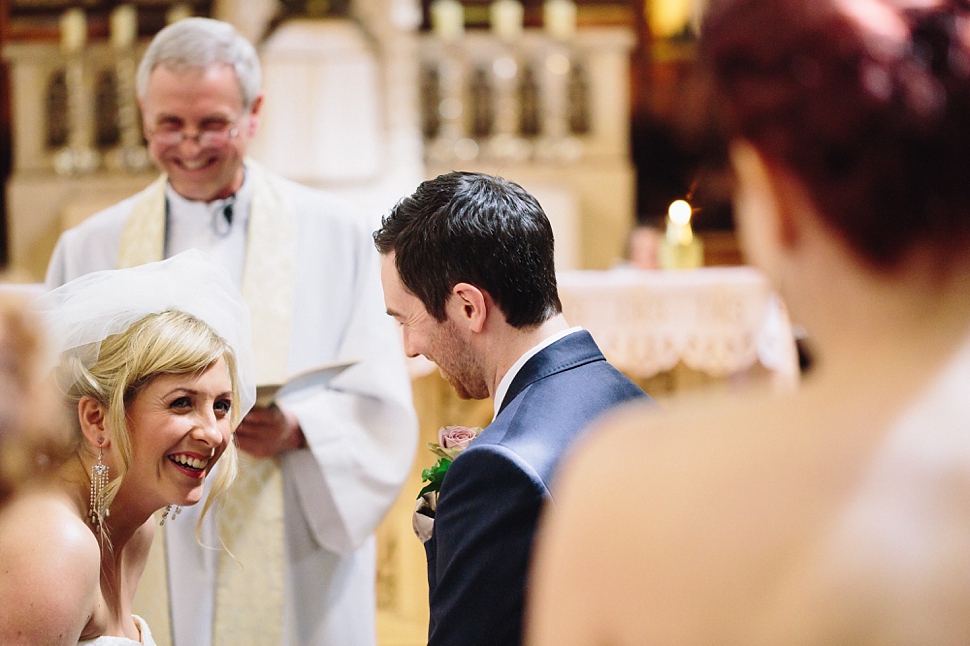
[[679, 212]]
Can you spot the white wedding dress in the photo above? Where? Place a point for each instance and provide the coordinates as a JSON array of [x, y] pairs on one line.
[[105, 640]]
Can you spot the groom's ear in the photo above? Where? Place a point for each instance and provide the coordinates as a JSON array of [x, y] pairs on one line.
[[468, 306]]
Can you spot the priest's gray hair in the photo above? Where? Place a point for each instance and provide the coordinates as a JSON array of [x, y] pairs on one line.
[[202, 42]]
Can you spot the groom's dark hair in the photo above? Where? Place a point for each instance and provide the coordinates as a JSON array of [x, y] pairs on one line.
[[477, 229]]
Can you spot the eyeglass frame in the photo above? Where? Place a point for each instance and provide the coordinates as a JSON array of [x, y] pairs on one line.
[[229, 133]]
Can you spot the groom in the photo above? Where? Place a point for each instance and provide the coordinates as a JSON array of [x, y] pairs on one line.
[[467, 270]]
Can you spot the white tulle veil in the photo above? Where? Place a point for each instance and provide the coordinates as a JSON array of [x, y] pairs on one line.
[[85, 311]]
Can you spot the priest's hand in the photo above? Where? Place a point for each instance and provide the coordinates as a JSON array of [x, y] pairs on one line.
[[264, 432]]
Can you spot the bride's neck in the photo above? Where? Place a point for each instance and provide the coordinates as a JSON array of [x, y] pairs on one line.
[[124, 518]]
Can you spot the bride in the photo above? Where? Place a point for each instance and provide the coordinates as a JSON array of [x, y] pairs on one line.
[[155, 367]]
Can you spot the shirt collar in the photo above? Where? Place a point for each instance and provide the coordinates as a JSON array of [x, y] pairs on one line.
[[503, 385], [196, 214]]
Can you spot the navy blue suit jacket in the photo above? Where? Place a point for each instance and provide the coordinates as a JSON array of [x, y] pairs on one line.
[[490, 499]]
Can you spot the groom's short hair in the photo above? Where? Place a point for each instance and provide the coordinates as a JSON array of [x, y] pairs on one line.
[[474, 228]]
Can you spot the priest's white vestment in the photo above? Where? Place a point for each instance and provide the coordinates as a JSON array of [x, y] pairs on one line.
[[361, 431]]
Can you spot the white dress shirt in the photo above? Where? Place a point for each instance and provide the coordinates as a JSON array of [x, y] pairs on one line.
[[503, 386], [204, 226]]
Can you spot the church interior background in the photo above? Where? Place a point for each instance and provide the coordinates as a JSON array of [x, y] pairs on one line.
[[577, 100]]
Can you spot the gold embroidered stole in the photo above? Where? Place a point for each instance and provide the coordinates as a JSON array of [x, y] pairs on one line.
[[249, 594]]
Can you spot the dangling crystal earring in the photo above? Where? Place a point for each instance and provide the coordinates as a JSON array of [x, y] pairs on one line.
[[99, 481], [170, 513]]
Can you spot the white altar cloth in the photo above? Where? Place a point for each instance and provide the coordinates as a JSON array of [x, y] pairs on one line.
[[716, 320]]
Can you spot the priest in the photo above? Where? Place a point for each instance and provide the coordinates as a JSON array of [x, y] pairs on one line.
[[325, 462]]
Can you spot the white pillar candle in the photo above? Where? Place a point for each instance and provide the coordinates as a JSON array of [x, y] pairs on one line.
[[506, 18], [447, 19], [680, 248], [74, 31], [668, 18], [124, 26], [678, 223], [559, 18]]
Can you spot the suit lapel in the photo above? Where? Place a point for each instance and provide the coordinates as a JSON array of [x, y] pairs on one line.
[[568, 352]]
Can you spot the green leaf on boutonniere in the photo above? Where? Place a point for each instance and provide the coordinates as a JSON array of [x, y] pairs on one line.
[[434, 476], [452, 440]]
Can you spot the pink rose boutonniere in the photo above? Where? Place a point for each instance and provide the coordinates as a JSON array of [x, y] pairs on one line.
[[452, 440]]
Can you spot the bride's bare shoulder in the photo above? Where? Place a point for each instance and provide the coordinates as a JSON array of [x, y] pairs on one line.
[[50, 565]]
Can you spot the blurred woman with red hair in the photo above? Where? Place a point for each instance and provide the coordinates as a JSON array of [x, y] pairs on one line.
[[841, 513]]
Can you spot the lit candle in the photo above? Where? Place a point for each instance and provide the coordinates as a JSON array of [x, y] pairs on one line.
[[506, 18], [74, 31], [124, 26], [559, 18], [678, 223], [447, 19], [668, 18], [679, 249]]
